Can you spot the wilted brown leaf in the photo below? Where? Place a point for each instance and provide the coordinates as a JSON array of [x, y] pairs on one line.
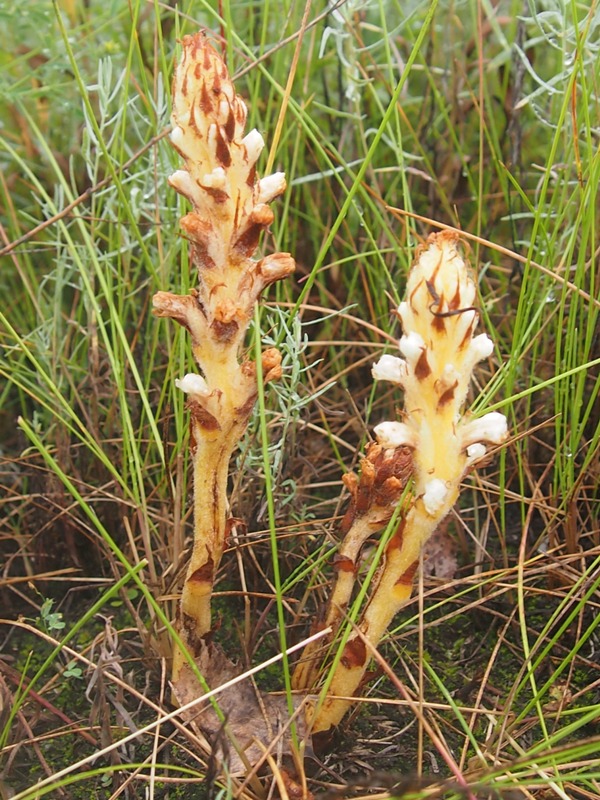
[[439, 555], [250, 716]]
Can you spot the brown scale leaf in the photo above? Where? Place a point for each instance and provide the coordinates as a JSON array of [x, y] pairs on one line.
[[384, 474], [355, 653]]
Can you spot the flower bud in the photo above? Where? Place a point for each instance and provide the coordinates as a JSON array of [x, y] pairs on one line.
[[389, 368], [394, 434], [193, 384]]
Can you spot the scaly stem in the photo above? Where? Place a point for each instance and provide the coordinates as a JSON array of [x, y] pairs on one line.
[[383, 478], [230, 211], [391, 592], [440, 352], [210, 468], [308, 668]]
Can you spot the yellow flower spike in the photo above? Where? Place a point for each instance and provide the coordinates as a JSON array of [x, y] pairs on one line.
[[439, 354], [230, 211]]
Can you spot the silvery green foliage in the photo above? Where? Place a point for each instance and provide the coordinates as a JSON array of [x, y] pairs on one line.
[[287, 399], [121, 125], [107, 94], [551, 28], [340, 31]]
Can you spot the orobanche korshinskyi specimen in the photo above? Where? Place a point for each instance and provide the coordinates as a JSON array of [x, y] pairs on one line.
[[435, 441], [230, 211]]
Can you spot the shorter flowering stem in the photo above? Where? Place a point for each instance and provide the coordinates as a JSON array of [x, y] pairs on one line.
[[440, 353], [391, 592], [308, 668]]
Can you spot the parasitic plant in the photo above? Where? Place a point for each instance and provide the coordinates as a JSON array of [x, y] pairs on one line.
[[230, 211], [435, 440]]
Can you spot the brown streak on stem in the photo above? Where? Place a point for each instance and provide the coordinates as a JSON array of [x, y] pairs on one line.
[[468, 334], [407, 576], [205, 101], [202, 418], [248, 241], [220, 196], [200, 257], [447, 396], [343, 564], [455, 302], [224, 332], [203, 574], [223, 152], [348, 519], [395, 542], [229, 126], [438, 323]]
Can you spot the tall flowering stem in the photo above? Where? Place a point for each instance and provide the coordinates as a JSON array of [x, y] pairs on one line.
[[439, 352], [230, 211]]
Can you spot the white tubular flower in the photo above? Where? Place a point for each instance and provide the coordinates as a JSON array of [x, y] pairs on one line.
[[193, 384], [481, 347], [411, 346], [182, 182], [254, 144], [394, 434], [271, 187], [435, 496], [389, 368], [475, 452], [490, 428], [177, 137], [217, 179]]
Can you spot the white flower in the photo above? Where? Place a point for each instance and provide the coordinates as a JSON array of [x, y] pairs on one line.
[[181, 181], [450, 375], [193, 384], [394, 434], [216, 179], [491, 427], [412, 345], [177, 136], [270, 187], [481, 347], [435, 496], [389, 368], [475, 452], [224, 110], [254, 143]]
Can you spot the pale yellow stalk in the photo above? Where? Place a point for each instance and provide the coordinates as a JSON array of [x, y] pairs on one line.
[[230, 210], [440, 352]]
